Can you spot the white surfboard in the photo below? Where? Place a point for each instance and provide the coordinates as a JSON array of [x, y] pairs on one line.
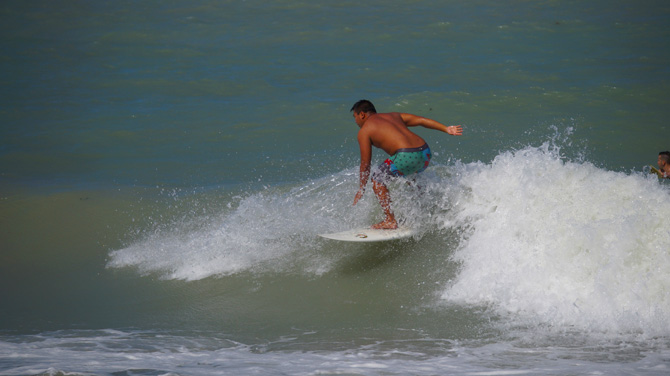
[[366, 235]]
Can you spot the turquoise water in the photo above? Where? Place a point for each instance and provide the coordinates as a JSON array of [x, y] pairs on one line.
[[165, 168]]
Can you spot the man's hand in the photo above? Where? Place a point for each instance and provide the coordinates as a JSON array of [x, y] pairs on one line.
[[359, 195], [455, 130]]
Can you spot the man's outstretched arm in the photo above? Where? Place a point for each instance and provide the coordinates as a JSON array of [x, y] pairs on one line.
[[413, 121]]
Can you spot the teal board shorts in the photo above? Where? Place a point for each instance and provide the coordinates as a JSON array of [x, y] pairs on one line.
[[404, 162]]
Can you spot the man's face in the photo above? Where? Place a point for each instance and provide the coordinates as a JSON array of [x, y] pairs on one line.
[[360, 118], [660, 162]]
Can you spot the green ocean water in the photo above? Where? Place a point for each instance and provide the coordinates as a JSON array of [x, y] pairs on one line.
[[165, 168], [223, 92]]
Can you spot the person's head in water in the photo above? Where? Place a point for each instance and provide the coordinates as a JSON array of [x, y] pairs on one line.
[[664, 161]]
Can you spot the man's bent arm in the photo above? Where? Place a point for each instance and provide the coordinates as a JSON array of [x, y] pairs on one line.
[[364, 171], [363, 175]]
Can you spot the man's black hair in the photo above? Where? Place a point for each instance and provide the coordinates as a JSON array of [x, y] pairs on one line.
[[363, 105]]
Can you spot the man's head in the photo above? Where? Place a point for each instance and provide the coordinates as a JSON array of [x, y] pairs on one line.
[[363, 105], [664, 159], [362, 110]]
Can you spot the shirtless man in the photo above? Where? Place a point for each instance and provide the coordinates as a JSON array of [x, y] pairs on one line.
[[409, 153], [664, 163]]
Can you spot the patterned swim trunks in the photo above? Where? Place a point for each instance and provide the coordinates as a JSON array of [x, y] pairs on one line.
[[404, 162]]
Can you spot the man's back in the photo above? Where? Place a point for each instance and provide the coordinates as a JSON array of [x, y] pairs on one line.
[[388, 132]]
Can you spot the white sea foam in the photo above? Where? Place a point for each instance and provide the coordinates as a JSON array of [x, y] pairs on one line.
[[96, 353], [558, 242], [269, 230], [562, 243]]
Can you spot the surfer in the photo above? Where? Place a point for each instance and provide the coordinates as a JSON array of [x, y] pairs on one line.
[[664, 163], [409, 153]]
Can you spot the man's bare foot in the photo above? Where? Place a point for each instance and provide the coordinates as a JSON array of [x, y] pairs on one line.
[[386, 225]]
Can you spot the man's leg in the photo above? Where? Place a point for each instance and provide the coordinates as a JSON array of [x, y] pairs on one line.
[[382, 193]]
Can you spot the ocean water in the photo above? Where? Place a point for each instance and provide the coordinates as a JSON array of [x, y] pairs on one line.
[[166, 168]]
